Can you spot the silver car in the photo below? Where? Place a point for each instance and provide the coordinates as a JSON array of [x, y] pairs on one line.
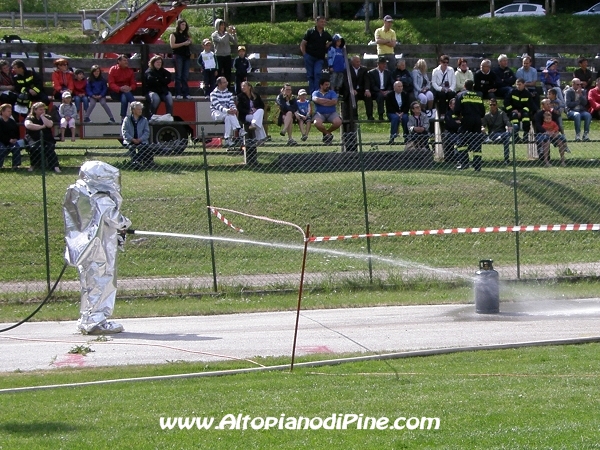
[[593, 10], [517, 9]]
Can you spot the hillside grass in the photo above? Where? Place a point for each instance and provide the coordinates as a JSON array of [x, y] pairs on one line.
[[410, 31]]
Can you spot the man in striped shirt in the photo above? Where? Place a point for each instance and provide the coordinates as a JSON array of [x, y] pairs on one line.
[[223, 109]]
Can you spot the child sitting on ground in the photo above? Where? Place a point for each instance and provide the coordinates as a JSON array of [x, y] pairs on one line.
[[303, 114], [67, 113]]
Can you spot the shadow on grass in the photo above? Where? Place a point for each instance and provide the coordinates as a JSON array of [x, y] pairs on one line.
[[37, 428]]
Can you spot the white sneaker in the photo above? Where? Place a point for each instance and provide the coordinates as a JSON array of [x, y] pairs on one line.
[[106, 328], [179, 97], [227, 143], [242, 132]]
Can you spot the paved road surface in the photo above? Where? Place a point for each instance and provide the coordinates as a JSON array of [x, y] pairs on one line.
[[46, 345]]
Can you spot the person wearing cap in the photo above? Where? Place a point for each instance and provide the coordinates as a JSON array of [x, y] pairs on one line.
[[505, 77], [242, 67], [380, 83], [550, 77], [314, 46], [303, 113], [67, 112], [208, 65], [385, 38]]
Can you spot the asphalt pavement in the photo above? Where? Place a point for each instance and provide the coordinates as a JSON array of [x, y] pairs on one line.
[[160, 340]]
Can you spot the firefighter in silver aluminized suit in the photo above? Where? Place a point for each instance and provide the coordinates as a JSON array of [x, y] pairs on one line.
[[93, 232]]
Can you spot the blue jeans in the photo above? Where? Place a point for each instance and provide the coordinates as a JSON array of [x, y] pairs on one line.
[[182, 72], [503, 137], [125, 98], [15, 149], [576, 117], [154, 100], [314, 67], [395, 120], [79, 100]]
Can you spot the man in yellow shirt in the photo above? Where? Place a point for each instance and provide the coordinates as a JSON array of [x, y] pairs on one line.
[[385, 38]]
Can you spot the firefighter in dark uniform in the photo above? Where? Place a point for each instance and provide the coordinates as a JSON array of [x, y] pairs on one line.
[[28, 83], [469, 107], [518, 108]]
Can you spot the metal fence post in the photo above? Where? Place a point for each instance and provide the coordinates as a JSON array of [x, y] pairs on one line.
[[210, 229]]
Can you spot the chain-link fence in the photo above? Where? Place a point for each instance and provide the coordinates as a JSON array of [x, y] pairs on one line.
[[352, 191]]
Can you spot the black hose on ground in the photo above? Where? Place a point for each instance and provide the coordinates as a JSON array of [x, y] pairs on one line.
[[40, 305]]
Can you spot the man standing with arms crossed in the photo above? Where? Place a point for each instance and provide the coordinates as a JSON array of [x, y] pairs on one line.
[[385, 38]]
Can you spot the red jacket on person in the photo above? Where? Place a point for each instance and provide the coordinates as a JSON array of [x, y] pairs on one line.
[[62, 81], [118, 77], [594, 99]]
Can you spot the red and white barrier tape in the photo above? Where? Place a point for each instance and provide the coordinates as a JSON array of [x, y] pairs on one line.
[[442, 231], [224, 220]]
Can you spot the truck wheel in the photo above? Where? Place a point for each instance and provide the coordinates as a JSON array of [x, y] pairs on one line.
[[175, 137]]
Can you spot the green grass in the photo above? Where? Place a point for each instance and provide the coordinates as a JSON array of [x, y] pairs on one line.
[[419, 26], [394, 292], [535, 398], [174, 200]]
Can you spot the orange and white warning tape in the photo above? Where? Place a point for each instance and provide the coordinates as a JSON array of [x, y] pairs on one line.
[[223, 219], [444, 231]]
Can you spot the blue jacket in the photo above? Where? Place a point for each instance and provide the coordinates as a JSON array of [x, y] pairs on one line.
[[143, 130], [335, 55], [96, 87]]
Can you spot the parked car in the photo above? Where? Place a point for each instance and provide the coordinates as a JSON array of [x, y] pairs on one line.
[[278, 57], [517, 9], [25, 56], [593, 10]]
